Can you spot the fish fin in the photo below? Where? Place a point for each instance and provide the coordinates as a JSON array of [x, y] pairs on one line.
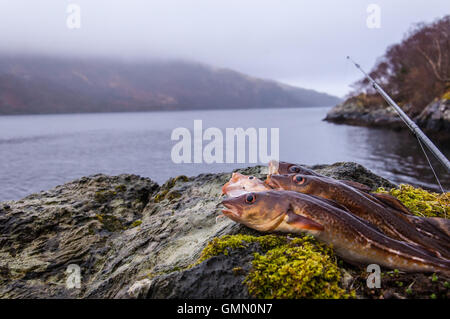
[[302, 222], [391, 201], [358, 186]]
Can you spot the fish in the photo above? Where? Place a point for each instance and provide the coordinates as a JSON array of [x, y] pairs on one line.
[[283, 168], [240, 184], [391, 222], [433, 227], [351, 237]]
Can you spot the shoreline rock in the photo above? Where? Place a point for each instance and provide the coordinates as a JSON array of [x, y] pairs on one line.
[[131, 237], [357, 110]]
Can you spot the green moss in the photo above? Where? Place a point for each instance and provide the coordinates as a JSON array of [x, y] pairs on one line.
[[120, 188], [110, 223], [166, 191], [434, 278], [421, 202], [136, 223], [160, 196], [300, 268], [224, 244], [173, 194], [172, 181], [51, 203], [303, 268], [104, 195]]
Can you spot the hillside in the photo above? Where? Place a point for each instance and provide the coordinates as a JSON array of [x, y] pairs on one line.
[[65, 85]]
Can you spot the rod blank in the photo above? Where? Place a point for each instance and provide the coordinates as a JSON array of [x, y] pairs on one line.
[[410, 123]]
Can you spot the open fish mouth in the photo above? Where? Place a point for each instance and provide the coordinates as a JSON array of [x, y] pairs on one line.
[[230, 211]]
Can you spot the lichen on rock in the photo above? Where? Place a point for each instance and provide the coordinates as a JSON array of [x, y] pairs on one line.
[[421, 202], [222, 245], [286, 268], [303, 268], [120, 229]]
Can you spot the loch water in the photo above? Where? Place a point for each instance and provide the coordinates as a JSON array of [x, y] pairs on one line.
[[38, 152]]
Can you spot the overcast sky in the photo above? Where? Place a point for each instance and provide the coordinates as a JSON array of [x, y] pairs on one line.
[[303, 43]]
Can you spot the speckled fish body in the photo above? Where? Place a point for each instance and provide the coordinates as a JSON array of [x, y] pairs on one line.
[[350, 236], [391, 222]]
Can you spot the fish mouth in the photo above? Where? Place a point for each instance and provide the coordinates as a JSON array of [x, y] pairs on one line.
[[273, 167], [231, 210]]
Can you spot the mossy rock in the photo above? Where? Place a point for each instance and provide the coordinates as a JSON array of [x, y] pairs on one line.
[[172, 181], [120, 188], [110, 222], [298, 268], [104, 196], [304, 268], [136, 223], [166, 191], [222, 245], [421, 202]]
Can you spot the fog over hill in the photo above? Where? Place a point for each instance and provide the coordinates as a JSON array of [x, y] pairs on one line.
[[42, 84]]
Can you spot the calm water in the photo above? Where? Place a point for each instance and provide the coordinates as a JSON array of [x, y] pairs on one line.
[[40, 152]]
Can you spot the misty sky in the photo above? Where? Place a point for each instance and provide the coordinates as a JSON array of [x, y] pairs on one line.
[[303, 43]]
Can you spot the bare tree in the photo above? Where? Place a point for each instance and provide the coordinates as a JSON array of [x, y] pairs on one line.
[[417, 70]]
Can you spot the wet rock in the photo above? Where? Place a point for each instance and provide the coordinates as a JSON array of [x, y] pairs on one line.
[[217, 277], [435, 117], [353, 172], [129, 236], [361, 112], [71, 224]]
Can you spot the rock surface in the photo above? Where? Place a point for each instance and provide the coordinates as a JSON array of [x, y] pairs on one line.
[[434, 119], [130, 237], [436, 116], [354, 111]]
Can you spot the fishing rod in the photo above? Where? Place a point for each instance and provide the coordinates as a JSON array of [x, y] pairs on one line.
[[411, 125]]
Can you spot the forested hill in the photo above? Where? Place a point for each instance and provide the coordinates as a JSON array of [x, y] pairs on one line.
[[37, 84]]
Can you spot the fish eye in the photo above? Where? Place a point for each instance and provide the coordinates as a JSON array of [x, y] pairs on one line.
[[251, 177], [299, 179], [294, 169], [250, 198]]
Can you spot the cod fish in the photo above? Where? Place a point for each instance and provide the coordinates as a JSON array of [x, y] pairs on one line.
[[240, 184], [283, 168], [432, 227], [392, 222], [352, 238]]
